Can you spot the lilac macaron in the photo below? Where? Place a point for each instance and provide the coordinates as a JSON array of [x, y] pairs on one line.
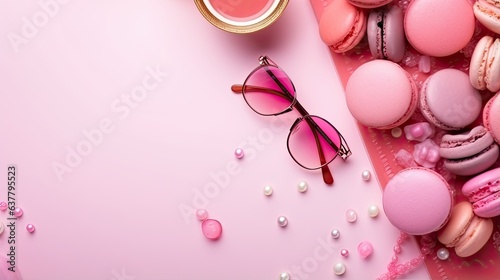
[[385, 33], [449, 101], [417, 201], [483, 191]]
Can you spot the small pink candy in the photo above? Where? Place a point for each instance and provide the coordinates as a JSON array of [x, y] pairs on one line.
[[3, 205], [405, 159], [239, 153], [211, 228], [201, 214], [18, 212], [418, 131], [30, 228], [424, 64], [365, 249], [426, 153]]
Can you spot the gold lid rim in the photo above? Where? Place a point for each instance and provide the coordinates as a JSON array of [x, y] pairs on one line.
[[278, 11]]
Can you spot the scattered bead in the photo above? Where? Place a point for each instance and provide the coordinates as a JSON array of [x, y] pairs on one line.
[[302, 186], [396, 132], [2, 227], [339, 268], [424, 64], [18, 212], [351, 215], [212, 229], [284, 276], [30, 228], [405, 159], [365, 249], [282, 221], [397, 249], [239, 153], [268, 190], [427, 153], [373, 211], [443, 254], [3, 205], [344, 253], [418, 131], [201, 214], [366, 175], [335, 233]]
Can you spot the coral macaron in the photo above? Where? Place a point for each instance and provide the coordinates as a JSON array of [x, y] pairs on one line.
[[385, 33], [342, 25], [369, 4], [483, 191], [484, 70], [491, 116], [381, 94]]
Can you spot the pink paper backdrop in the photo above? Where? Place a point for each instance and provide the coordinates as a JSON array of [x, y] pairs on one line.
[[142, 90]]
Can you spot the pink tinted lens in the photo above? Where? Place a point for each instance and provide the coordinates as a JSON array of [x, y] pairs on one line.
[[308, 140], [268, 90]]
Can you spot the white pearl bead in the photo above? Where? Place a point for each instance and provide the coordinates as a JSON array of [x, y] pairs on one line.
[[268, 190], [335, 233], [443, 254], [373, 211], [302, 186], [339, 268], [396, 132], [351, 216], [284, 276], [282, 221], [366, 175]]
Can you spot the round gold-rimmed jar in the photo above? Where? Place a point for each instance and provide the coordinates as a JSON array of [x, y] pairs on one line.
[[241, 16]]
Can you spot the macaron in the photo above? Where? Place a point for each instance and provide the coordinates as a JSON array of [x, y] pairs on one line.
[[487, 13], [483, 191], [417, 201], [342, 25], [469, 153], [484, 70], [465, 231], [491, 116], [381, 94], [439, 28], [449, 101], [385, 32], [369, 4]]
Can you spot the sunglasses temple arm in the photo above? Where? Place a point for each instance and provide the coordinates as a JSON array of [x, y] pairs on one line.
[[325, 171], [239, 89]]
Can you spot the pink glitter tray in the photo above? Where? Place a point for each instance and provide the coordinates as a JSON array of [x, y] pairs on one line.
[[382, 146]]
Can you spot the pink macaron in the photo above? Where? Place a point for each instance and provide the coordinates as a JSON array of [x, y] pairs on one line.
[[439, 27], [484, 70], [491, 116], [369, 4], [470, 152], [449, 101], [487, 13], [385, 33], [342, 25], [483, 191], [417, 201], [381, 94], [465, 231]]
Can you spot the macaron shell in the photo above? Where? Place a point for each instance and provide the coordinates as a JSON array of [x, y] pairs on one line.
[[449, 101], [367, 4], [491, 117], [417, 201], [342, 25], [431, 26], [482, 185], [475, 237], [469, 143], [381, 94], [477, 70], [492, 77], [488, 15], [387, 40], [475, 164], [461, 217]]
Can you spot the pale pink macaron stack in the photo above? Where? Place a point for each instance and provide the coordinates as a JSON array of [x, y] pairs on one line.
[[484, 71], [487, 13]]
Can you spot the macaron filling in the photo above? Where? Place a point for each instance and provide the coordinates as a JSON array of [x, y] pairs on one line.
[[485, 201], [456, 160]]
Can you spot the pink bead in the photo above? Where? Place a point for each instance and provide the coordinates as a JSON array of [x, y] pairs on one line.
[[426, 153], [30, 228], [365, 249], [397, 249], [18, 212], [405, 159], [211, 228], [344, 252], [238, 153], [418, 131], [3, 205], [424, 64], [201, 214]]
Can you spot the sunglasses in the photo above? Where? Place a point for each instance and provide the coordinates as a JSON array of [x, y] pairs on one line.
[[313, 142]]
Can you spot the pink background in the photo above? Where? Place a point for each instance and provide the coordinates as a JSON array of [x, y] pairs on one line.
[[116, 214]]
